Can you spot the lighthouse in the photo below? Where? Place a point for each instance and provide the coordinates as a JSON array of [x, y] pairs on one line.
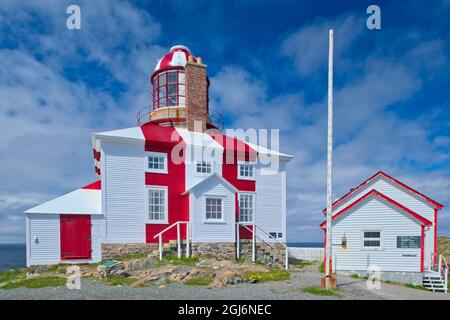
[[179, 95], [149, 198]]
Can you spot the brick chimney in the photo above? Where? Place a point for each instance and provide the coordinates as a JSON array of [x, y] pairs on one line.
[[196, 95]]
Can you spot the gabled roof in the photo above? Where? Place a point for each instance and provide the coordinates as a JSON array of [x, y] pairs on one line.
[[86, 200], [385, 198], [436, 204], [213, 176]]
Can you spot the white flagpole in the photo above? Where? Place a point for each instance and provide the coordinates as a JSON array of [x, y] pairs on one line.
[[329, 157]]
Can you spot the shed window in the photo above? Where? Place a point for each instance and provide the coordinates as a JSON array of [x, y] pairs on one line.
[[203, 167], [372, 239]]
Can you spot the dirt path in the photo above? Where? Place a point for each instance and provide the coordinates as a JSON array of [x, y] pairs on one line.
[[392, 291]]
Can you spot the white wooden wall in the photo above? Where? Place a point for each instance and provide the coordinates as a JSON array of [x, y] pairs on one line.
[[124, 193], [271, 200], [375, 215], [406, 198], [203, 231], [311, 254], [45, 228]]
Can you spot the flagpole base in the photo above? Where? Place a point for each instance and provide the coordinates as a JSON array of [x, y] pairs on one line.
[[328, 282]]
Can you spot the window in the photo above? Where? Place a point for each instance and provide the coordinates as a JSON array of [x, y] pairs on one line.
[[408, 242], [169, 89], [246, 207], [214, 209], [204, 167], [246, 171], [157, 162], [157, 204], [372, 239]]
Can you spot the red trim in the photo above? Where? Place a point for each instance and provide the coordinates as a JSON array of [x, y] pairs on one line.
[[381, 173], [97, 170], [422, 247], [75, 237], [97, 185], [435, 236], [424, 221], [325, 250], [97, 155]]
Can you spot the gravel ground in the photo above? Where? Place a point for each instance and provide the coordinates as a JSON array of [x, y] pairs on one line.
[[289, 289]]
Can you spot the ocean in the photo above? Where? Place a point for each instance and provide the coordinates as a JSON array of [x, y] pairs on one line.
[[12, 256], [306, 244]]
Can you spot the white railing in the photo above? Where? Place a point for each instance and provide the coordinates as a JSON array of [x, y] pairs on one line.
[[443, 270], [254, 231], [311, 254], [188, 234]]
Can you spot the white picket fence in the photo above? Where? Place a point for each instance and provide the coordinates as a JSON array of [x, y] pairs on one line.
[[312, 254]]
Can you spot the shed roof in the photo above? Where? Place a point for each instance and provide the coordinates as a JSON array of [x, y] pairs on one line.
[[86, 200], [386, 199], [213, 176]]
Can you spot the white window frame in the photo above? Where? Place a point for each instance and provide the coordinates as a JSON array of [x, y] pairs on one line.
[[203, 173], [209, 220], [159, 155], [363, 247], [166, 205], [253, 194], [253, 164]]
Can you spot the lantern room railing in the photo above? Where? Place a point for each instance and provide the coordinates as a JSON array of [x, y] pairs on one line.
[[143, 116]]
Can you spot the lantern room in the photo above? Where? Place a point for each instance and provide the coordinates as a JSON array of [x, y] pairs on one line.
[[180, 92]]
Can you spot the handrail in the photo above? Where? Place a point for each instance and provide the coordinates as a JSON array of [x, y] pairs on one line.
[[244, 223], [178, 223], [443, 270]]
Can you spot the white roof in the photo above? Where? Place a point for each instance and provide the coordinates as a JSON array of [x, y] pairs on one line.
[[198, 139], [268, 152], [133, 133], [213, 176], [81, 201]]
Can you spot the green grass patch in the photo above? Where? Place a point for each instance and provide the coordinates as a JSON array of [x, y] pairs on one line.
[[303, 264], [240, 260], [53, 268], [322, 268], [199, 281], [355, 276], [119, 281], [36, 282], [318, 291], [415, 286], [6, 276], [273, 275], [174, 260], [139, 255]]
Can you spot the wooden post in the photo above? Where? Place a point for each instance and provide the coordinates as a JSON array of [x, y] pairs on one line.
[[188, 252], [178, 240], [253, 244], [238, 242], [160, 248]]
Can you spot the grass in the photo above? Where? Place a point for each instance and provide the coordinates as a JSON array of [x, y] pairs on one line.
[[318, 291], [199, 281], [174, 260], [303, 264], [6, 276], [355, 276], [139, 255], [240, 260], [322, 268], [273, 275], [415, 286], [36, 282], [119, 281]]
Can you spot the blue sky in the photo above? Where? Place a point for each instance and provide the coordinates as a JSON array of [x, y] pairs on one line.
[[267, 62]]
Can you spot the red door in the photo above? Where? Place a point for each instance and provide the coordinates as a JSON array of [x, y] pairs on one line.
[[75, 236]]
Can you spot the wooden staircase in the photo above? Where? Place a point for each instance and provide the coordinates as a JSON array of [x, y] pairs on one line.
[[437, 280]]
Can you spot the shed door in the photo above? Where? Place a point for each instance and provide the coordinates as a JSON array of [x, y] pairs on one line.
[[75, 237]]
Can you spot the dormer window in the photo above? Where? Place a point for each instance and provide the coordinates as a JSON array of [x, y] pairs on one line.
[[204, 167], [169, 89], [157, 162], [246, 171]]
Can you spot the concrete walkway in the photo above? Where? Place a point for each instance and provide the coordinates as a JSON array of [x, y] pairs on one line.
[[392, 291]]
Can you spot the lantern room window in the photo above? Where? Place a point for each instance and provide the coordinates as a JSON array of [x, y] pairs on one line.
[[169, 89]]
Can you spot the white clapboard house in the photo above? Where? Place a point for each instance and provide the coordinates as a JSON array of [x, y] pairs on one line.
[[384, 225], [174, 177]]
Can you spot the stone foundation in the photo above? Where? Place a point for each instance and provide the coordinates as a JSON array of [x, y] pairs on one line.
[[221, 251], [116, 250], [403, 277]]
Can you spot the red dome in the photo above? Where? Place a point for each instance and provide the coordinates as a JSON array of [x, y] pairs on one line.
[[177, 57]]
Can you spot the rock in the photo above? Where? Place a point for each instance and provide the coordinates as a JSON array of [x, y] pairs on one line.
[[146, 263], [161, 286], [41, 268], [30, 275], [223, 276]]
